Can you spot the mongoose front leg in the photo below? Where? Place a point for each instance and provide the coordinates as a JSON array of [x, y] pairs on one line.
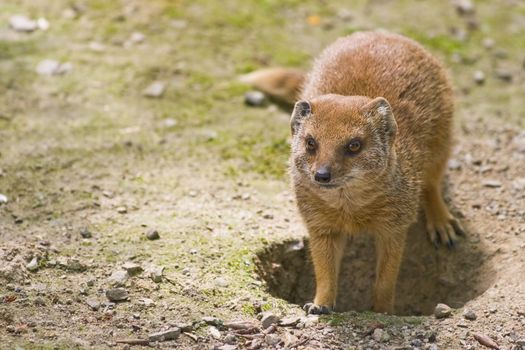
[[389, 247], [327, 252], [439, 222]]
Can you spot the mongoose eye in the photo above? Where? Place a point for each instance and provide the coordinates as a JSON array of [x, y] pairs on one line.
[[310, 144], [354, 146]]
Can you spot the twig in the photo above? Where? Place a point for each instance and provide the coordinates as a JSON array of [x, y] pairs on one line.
[[484, 340], [192, 336]]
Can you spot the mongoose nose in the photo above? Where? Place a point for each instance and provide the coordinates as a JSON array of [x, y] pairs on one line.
[[322, 175]]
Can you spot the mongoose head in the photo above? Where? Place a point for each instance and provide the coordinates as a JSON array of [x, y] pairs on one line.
[[342, 140]]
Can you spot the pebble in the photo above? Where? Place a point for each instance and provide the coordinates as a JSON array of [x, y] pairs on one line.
[[469, 315], [289, 321], [117, 294], [268, 318], [52, 67], [122, 210], [518, 184], [211, 320], [152, 234], [118, 278], [221, 282], [272, 339], [491, 183], [503, 75], [378, 334], [227, 347], [464, 7], [85, 233], [132, 268], [22, 23], [3, 199], [254, 98], [214, 332], [488, 43], [147, 302], [230, 339], [479, 77], [93, 304], [33, 265], [170, 334], [454, 164], [96, 46], [442, 311], [155, 273], [155, 89], [137, 37], [310, 320]]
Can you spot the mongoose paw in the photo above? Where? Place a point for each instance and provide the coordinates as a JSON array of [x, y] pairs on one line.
[[314, 309], [445, 232]]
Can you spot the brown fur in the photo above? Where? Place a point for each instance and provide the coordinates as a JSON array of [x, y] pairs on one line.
[[392, 95]]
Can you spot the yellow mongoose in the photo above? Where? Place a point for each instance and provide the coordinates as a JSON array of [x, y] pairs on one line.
[[371, 135]]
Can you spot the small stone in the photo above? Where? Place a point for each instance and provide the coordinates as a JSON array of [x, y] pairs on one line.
[[118, 278], [22, 23], [96, 46], [289, 321], [155, 89], [442, 311], [491, 183], [378, 334], [75, 265], [488, 43], [170, 122], [170, 334], [132, 268], [117, 294], [147, 302], [42, 23], [479, 77], [152, 234], [417, 343], [227, 347], [137, 38], [33, 265], [310, 320], [503, 75], [454, 164], [155, 273], [464, 7], [268, 318], [230, 339], [221, 282], [272, 339], [122, 210], [85, 233], [214, 332], [519, 184], [47, 67], [93, 304], [254, 98], [211, 320], [469, 315]]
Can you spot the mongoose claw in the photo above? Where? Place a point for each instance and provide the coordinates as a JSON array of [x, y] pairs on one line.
[[446, 233], [314, 309]]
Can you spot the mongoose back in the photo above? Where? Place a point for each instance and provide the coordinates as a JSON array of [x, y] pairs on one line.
[[371, 135]]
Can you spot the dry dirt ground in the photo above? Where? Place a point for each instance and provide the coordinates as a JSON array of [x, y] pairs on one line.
[[89, 166]]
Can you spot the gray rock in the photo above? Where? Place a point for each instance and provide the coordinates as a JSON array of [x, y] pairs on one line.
[[479, 77], [268, 319], [211, 320], [85, 233], [52, 67], [221, 282], [464, 7], [132, 268], [519, 184], [93, 304], [32, 265], [152, 234], [378, 334], [155, 273], [3, 199], [254, 98], [122, 210], [310, 320], [117, 294], [22, 23], [170, 334], [469, 315], [442, 311], [454, 164], [289, 321], [214, 332], [75, 265], [488, 43], [118, 278], [155, 89], [491, 183], [503, 75], [230, 339], [272, 339], [227, 347]]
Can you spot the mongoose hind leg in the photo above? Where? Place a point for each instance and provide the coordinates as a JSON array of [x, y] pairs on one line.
[[441, 225], [327, 252]]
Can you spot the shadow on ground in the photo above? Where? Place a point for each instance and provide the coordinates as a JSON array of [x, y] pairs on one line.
[[428, 276]]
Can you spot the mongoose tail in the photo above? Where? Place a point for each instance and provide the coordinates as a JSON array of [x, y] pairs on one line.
[[283, 84]]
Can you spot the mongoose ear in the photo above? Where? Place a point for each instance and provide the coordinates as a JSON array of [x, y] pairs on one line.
[[380, 108], [301, 110]]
